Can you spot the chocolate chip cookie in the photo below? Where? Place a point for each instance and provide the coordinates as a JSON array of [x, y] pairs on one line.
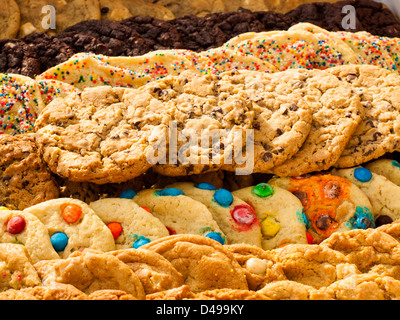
[[337, 113], [115, 151], [379, 131]]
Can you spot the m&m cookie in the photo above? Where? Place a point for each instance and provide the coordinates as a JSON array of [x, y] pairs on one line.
[[180, 213], [330, 203], [381, 192], [130, 224], [72, 226], [234, 216], [388, 168], [24, 228], [280, 214]]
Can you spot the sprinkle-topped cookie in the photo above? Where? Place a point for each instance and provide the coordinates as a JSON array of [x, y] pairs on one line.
[[283, 49], [20, 102], [88, 70]]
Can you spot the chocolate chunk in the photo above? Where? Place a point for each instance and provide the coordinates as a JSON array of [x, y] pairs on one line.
[[383, 219], [323, 222]]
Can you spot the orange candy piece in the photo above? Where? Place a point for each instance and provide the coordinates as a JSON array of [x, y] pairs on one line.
[[116, 229], [71, 212]]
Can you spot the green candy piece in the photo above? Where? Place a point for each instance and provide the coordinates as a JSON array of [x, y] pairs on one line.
[[263, 190]]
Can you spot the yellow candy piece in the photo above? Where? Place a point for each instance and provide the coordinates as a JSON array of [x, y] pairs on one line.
[[3, 208], [270, 227]]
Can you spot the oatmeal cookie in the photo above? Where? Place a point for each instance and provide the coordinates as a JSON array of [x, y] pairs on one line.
[[367, 286], [24, 179], [154, 271], [91, 270], [370, 250], [259, 266], [204, 263], [313, 265]]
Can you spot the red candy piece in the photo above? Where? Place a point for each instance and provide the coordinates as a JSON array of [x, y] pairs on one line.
[[71, 212], [116, 229], [171, 231], [147, 209], [243, 214], [310, 238], [16, 225]]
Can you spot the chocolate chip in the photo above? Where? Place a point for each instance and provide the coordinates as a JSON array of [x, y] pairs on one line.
[[293, 107], [302, 196], [351, 77], [323, 222], [267, 156], [105, 10], [383, 219]]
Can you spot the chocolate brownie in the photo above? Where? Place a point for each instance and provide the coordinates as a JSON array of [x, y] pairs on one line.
[[121, 40], [161, 34], [50, 50], [371, 16], [16, 56]]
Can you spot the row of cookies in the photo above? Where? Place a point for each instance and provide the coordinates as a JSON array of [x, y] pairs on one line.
[[25, 17], [303, 121], [307, 209], [302, 46], [354, 265], [37, 52]]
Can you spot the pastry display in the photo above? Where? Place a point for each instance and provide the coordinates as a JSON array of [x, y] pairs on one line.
[[199, 150]]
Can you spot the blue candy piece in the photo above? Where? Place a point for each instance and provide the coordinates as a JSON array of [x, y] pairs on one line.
[[395, 164], [127, 194], [140, 242], [170, 192], [206, 186], [362, 219], [59, 240], [362, 174], [223, 197], [216, 236]]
